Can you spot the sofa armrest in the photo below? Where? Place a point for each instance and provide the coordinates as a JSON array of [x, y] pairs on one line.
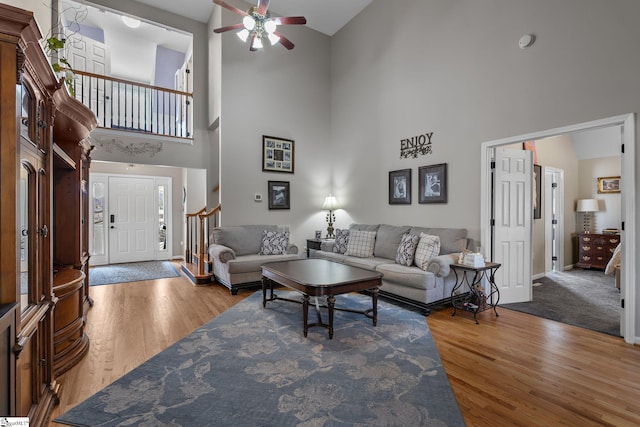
[[221, 253], [292, 249], [441, 265]]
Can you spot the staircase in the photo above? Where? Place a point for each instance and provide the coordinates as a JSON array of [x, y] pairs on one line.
[[197, 264]]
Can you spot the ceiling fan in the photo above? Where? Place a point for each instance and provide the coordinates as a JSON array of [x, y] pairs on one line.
[[257, 25]]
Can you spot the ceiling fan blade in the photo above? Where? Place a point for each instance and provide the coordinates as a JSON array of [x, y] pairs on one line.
[[284, 41], [289, 20], [263, 5], [231, 8], [229, 28]]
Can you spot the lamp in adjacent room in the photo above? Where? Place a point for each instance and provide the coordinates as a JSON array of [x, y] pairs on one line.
[[587, 207], [330, 204]]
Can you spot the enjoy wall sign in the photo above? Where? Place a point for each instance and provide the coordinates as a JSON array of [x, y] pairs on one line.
[[416, 145]]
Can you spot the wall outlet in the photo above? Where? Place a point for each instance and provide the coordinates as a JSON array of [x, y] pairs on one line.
[[257, 197]]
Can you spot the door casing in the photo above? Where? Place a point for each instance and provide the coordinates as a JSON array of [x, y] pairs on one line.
[[628, 187]]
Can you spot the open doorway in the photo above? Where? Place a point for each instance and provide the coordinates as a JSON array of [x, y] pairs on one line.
[[627, 282]]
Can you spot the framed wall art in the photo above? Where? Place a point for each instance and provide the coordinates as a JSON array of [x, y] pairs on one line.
[[279, 195], [400, 187], [277, 154], [432, 184], [609, 184]]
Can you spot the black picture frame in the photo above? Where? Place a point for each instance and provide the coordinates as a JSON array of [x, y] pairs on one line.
[[432, 184], [279, 195], [537, 179], [277, 154], [400, 187]]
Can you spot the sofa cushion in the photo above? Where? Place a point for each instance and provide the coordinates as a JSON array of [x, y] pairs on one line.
[[342, 240], [388, 239], [332, 256], [243, 239], [364, 227], [451, 239], [407, 249], [407, 276], [428, 248], [361, 243], [367, 263], [253, 263], [274, 242]]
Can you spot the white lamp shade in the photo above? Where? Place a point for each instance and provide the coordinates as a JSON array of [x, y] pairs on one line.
[[330, 203], [587, 205]]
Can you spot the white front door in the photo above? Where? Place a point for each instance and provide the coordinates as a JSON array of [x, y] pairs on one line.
[[133, 230], [513, 215]]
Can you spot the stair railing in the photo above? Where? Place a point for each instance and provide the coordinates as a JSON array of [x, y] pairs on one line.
[[208, 221], [135, 107]]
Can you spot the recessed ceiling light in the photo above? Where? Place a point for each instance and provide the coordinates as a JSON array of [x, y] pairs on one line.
[[131, 22]]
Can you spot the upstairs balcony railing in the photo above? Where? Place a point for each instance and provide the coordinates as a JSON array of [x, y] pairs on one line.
[[136, 107]]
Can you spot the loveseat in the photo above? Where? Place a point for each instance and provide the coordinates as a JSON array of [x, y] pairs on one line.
[[238, 252], [421, 283]]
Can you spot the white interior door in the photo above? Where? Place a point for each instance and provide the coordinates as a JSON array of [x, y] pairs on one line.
[[553, 219], [513, 215], [132, 227]]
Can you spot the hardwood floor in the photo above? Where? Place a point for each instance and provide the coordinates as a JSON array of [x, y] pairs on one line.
[[514, 370]]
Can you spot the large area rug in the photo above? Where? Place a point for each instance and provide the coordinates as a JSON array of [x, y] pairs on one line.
[[585, 298], [252, 366], [131, 272]]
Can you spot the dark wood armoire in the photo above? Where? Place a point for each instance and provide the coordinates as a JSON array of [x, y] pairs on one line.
[[44, 161]]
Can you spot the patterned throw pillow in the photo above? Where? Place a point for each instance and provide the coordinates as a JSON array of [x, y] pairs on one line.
[[406, 249], [361, 243], [428, 248], [274, 242], [342, 240]]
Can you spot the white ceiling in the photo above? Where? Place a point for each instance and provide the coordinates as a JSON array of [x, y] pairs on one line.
[[326, 16]]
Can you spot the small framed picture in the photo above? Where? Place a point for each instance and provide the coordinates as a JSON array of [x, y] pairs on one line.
[[432, 184], [279, 195], [318, 234], [400, 187], [277, 154], [609, 184]]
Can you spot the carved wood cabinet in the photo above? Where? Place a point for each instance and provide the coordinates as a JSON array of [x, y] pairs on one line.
[[37, 324], [595, 250]]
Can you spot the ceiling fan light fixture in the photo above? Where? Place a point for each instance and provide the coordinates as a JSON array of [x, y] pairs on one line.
[[243, 35], [270, 26], [273, 39], [249, 22], [257, 43]]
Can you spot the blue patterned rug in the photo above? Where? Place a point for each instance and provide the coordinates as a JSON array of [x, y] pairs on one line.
[[252, 366], [131, 272]]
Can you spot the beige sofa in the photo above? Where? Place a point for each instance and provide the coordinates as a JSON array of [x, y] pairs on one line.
[[409, 284], [236, 257]]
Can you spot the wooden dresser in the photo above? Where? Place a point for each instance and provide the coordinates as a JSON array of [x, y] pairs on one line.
[[595, 250]]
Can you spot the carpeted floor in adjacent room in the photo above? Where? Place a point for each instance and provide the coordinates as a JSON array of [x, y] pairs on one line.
[[584, 298]]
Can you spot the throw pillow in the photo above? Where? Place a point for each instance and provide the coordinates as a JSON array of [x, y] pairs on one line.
[[361, 243], [342, 240], [407, 249], [274, 242], [428, 248]]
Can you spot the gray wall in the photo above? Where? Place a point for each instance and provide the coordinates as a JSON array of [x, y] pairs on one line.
[[283, 94], [454, 68]]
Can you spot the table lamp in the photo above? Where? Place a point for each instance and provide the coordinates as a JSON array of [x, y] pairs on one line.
[[330, 204], [587, 207]]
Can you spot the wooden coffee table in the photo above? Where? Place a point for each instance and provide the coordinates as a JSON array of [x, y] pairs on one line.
[[318, 277]]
